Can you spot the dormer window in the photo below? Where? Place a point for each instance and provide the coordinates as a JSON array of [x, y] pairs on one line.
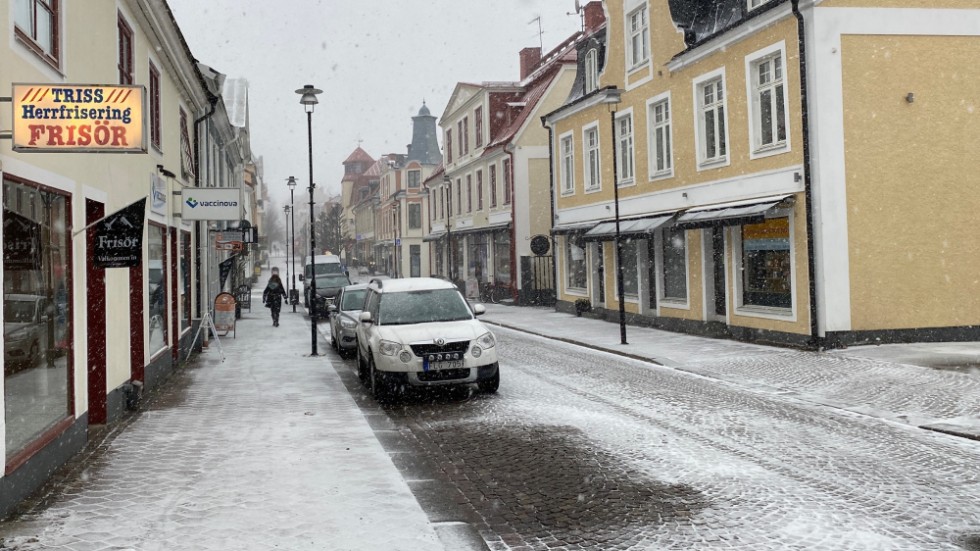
[[591, 70], [638, 49]]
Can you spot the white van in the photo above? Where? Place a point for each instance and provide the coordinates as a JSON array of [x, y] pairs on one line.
[[326, 264]]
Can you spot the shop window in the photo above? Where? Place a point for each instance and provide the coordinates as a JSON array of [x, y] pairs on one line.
[[575, 268], [630, 270], [501, 257], [766, 266], [37, 311], [674, 253], [156, 288]]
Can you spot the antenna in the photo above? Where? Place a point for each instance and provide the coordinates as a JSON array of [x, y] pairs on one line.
[[578, 11], [540, 32]]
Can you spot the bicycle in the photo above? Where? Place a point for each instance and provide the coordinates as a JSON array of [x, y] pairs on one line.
[[490, 293]]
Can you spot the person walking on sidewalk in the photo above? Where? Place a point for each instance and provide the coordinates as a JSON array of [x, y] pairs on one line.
[[273, 295]]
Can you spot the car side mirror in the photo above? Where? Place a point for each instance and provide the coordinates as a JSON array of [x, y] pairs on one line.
[[365, 317], [332, 308], [479, 309], [301, 277]]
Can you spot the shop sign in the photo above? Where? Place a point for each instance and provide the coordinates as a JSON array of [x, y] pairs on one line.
[[118, 238], [78, 118], [212, 203]]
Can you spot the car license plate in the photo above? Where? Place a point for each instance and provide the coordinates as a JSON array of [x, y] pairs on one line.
[[437, 366]]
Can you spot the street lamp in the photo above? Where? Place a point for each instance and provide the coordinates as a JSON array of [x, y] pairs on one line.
[[293, 294], [287, 210], [308, 100], [612, 99]]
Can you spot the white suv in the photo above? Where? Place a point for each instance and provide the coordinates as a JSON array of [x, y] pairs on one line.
[[422, 332]]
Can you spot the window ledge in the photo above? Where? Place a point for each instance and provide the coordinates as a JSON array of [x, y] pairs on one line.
[[662, 175], [642, 64], [765, 311], [713, 163], [567, 193], [595, 189], [627, 182]]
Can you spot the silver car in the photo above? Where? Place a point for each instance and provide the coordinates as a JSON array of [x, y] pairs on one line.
[[344, 314]]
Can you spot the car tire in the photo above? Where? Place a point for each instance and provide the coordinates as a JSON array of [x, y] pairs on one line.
[[380, 389], [361, 369], [490, 386]]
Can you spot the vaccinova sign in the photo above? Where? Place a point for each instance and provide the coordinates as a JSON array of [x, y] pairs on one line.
[[67, 118], [211, 203]]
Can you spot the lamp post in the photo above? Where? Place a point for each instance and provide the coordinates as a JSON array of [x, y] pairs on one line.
[[308, 100], [293, 294], [287, 210], [612, 98]]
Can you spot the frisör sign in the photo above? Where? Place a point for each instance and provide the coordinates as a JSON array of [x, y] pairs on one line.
[[67, 118]]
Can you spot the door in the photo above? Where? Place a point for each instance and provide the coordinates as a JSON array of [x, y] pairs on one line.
[[96, 317]]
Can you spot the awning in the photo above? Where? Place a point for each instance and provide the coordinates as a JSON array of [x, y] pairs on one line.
[[434, 236], [631, 227], [577, 227], [729, 214], [489, 228]]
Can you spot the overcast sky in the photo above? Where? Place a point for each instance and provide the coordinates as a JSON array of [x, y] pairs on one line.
[[375, 60]]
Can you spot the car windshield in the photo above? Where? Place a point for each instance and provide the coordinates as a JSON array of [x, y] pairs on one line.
[[18, 311], [328, 268], [425, 306], [353, 300], [324, 282]]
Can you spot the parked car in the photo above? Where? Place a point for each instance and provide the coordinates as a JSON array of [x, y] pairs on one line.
[[25, 324], [324, 264], [423, 332], [344, 317], [327, 288]]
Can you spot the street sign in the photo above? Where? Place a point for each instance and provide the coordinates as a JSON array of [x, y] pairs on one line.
[[398, 242]]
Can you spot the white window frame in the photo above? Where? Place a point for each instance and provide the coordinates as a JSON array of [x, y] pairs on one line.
[[637, 37], [653, 143], [753, 62], [567, 160], [625, 163], [592, 158], [753, 4], [700, 125], [576, 291], [591, 70], [672, 302], [766, 312]]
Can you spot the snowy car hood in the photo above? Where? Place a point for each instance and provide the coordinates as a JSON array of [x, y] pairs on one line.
[[450, 331]]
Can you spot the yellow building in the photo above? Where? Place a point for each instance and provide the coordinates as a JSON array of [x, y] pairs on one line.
[[789, 172]]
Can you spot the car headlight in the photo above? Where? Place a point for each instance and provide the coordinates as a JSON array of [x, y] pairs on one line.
[[486, 340], [390, 348], [348, 324]]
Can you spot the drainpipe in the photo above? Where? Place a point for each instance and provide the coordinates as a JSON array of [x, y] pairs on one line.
[[213, 100], [816, 341], [551, 201], [509, 149]]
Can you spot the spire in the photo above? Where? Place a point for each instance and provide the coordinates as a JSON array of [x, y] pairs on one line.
[[425, 145]]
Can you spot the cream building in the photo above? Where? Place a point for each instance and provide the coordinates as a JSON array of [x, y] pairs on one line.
[[768, 164]]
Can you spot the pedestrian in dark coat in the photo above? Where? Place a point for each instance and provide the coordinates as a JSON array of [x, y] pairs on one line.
[[273, 295]]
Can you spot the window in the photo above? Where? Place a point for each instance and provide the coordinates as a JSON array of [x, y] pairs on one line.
[[37, 311], [575, 270], [592, 158], [501, 257], [156, 287], [460, 135], [756, 3], [493, 186], [711, 121], [624, 136], [464, 136], [449, 146], [185, 277], [414, 177], [125, 52], [591, 70], [36, 23], [186, 153], [459, 196], [567, 165], [479, 190], [414, 216], [766, 266], [638, 50], [505, 168], [469, 193], [154, 106], [660, 162], [768, 103], [478, 127], [442, 205], [675, 264], [630, 270]]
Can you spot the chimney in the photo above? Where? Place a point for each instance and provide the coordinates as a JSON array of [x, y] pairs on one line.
[[594, 16], [530, 57]]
